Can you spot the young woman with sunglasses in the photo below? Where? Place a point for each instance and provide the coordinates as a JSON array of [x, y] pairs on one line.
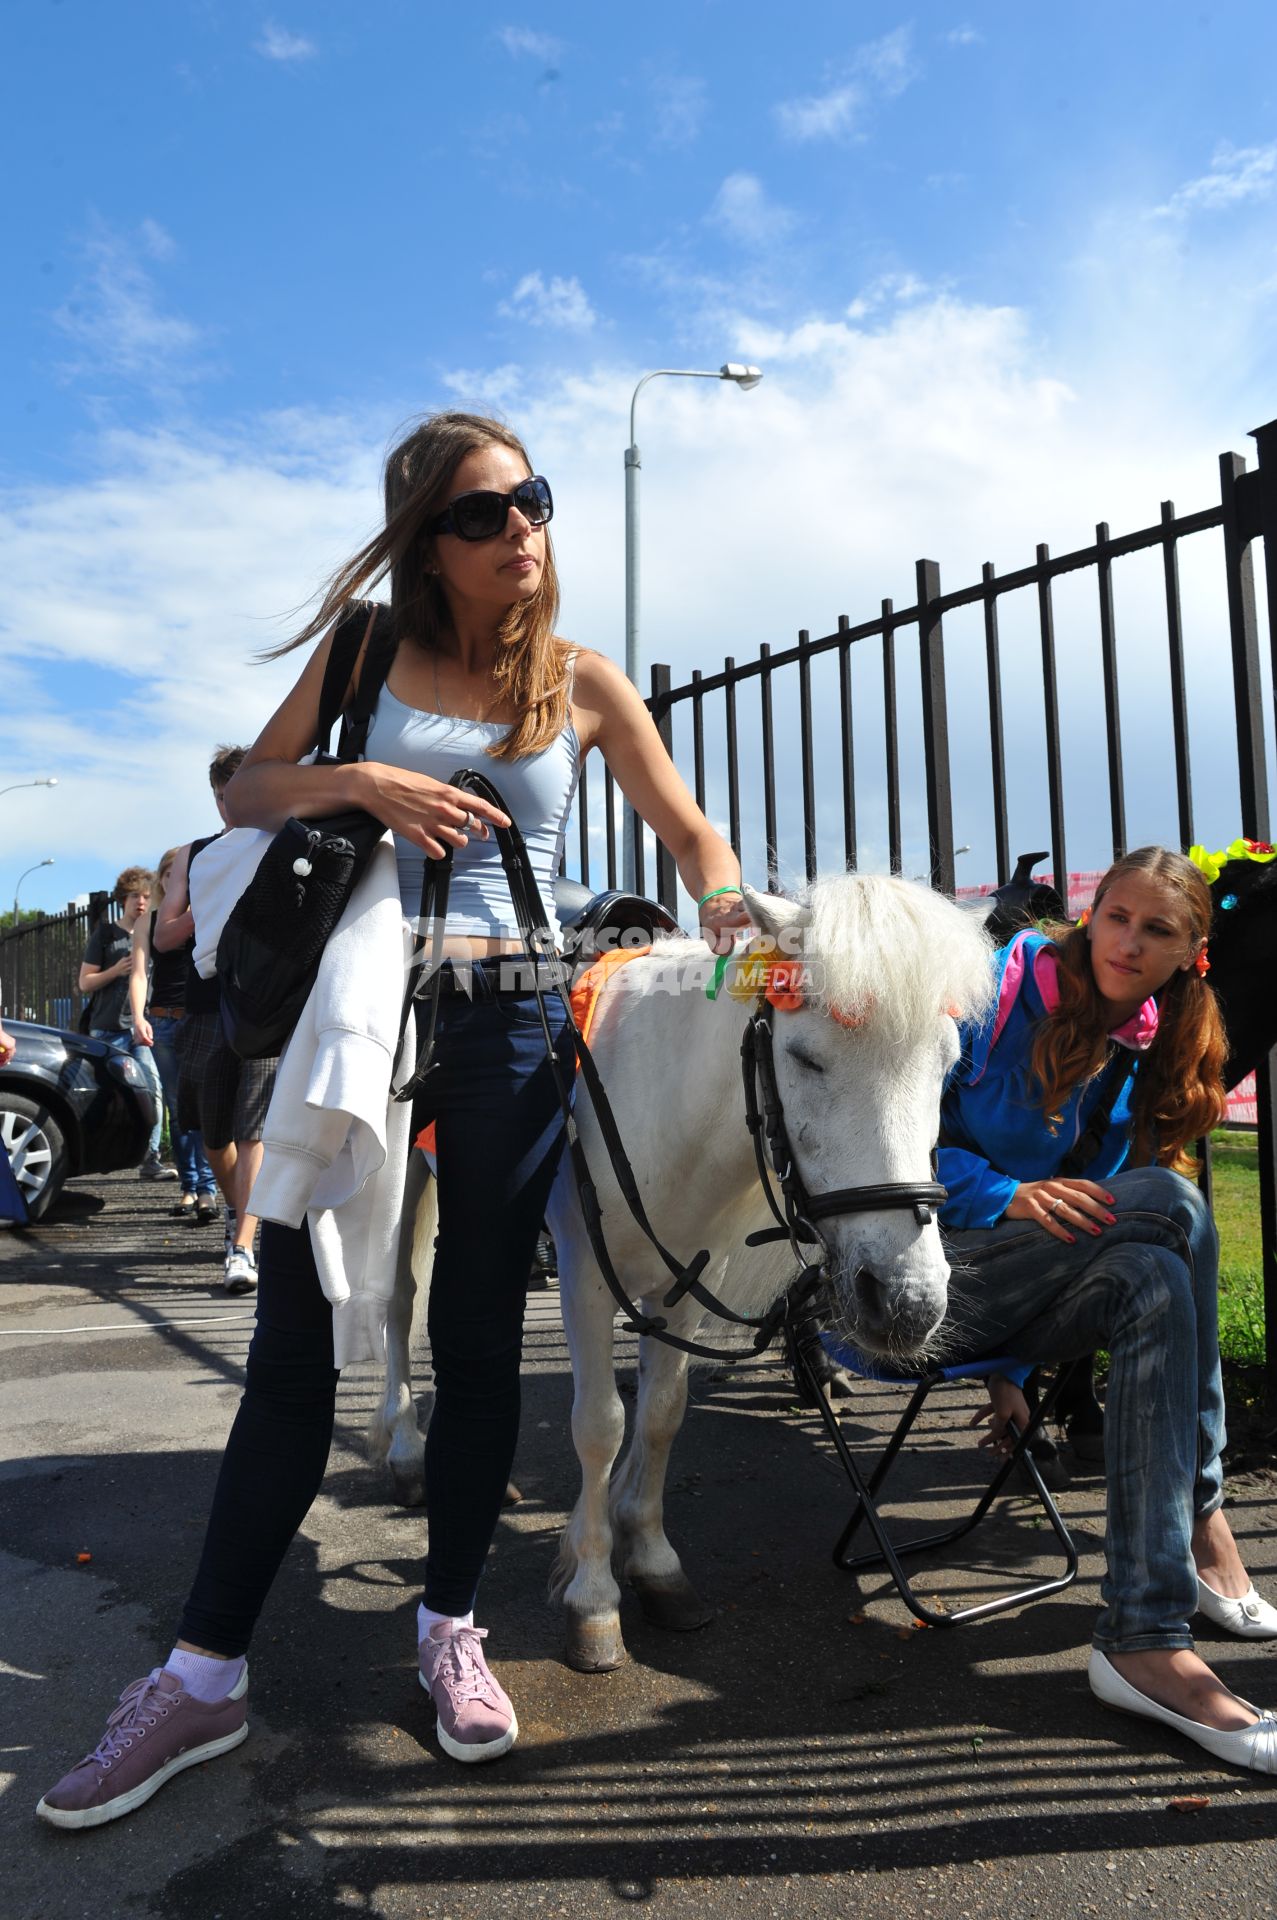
[[1125, 1257], [479, 678]]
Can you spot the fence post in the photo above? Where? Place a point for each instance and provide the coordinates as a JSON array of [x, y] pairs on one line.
[[666, 872], [1264, 501], [935, 728], [1112, 704], [1051, 715], [1239, 495]]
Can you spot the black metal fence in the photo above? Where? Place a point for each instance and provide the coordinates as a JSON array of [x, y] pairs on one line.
[[722, 728], [40, 964]]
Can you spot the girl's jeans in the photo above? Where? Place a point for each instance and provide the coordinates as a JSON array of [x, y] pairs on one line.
[[499, 1135], [1145, 1289], [188, 1148]]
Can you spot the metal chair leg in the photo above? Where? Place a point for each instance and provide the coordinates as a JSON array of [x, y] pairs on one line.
[[890, 1555]]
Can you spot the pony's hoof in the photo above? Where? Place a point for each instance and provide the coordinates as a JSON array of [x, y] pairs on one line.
[[409, 1485], [671, 1603], [594, 1646]]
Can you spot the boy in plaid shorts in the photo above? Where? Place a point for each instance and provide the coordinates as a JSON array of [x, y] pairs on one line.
[[222, 1095]]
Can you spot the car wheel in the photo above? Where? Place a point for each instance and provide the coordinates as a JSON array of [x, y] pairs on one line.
[[36, 1149]]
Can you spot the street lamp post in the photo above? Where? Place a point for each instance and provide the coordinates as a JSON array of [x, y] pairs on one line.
[[30, 783], [741, 376], [22, 876]]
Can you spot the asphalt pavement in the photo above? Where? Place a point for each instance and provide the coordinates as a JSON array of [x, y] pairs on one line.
[[810, 1752]]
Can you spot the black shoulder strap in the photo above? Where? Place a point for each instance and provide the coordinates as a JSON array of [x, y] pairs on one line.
[[1091, 1138], [352, 630], [378, 659]]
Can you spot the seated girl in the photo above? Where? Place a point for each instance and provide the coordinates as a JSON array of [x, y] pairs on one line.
[[1108, 1033]]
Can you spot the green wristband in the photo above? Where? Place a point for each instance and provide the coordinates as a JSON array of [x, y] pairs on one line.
[[713, 895]]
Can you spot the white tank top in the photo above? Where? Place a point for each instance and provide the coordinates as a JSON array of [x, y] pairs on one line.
[[538, 791]]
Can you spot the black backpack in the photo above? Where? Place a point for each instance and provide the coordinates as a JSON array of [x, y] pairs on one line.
[[274, 937]]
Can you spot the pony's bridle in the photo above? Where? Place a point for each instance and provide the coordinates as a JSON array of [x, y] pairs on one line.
[[765, 1118]]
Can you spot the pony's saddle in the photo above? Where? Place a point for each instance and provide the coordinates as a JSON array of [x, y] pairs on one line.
[[597, 923]]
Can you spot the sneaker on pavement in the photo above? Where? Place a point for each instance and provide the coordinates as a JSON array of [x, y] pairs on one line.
[[240, 1275], [153, 1168], [476, 1720], [156, 1729]]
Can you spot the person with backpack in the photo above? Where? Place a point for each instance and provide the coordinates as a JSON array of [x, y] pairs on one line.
[[474, 676], [1066, 1131], [220, 1096]]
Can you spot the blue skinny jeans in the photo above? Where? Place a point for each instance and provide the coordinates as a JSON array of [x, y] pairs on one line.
[[194, 1172], [499, 1134], [1147, 1290]]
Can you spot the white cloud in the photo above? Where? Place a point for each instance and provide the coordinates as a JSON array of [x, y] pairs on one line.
[[550, 303], [278, 43], [523, 43], [964, 36], [115, 317], [744, 210], [879, 70], [1236, 174], [485, 386], [679, 103], [886, 287], [157, 240]]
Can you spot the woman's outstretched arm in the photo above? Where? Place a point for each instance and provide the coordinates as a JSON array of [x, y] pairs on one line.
[[612, 716]]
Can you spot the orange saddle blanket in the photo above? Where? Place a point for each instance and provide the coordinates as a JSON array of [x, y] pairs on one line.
[[584, 998]]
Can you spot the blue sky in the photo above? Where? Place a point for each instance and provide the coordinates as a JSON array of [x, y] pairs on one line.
[[1008, 271]]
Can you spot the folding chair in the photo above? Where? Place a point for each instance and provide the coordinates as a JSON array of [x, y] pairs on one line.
[[867, 1489]]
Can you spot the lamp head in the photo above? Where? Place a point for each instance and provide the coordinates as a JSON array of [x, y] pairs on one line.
[[744, 377], [52, 781]]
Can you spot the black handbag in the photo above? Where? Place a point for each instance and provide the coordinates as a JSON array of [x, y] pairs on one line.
[[270, 948]]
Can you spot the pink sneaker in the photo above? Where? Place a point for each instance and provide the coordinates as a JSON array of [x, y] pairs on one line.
[[476, 1720], [156, 1730]]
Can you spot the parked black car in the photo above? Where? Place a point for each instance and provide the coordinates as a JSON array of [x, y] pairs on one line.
[[69, 1105]]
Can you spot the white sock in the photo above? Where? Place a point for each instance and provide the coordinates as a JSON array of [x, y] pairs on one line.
[[426, 1620], [203, 1677]]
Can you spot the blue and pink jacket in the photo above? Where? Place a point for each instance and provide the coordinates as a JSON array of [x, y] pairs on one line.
[[992, 1123]]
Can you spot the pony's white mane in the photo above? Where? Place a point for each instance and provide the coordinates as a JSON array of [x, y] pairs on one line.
[[892, 953], [883, 951]]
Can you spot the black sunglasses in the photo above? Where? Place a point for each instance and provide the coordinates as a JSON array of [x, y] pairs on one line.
[[482, 515]]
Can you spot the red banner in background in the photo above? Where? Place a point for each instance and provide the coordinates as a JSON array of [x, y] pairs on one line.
[[1241, 1101]]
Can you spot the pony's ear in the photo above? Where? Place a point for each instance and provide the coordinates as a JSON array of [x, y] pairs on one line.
[[772, 913]]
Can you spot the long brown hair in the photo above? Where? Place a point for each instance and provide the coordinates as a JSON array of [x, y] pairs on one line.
[[1179, 1087], [530, 671], [158, 882]]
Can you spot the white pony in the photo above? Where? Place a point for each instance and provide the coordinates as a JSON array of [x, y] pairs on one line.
[[859, 1067]]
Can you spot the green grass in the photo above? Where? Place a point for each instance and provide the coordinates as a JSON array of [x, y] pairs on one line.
[[1235, 1160]]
